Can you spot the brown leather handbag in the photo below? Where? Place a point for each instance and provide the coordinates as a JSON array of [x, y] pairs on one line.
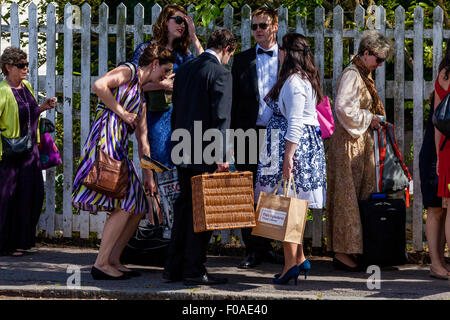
[[108, 176]]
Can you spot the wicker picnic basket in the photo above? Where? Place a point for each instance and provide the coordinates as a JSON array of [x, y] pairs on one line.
[[223, 201]]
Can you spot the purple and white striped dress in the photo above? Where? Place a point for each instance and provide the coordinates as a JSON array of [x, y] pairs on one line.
[[109, 132]]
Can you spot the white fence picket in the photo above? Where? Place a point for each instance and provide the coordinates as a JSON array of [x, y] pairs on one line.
[[67, 120], [14, 27], [33, 47], [338, 59], [85, 97], [399, 78], [50, 88], [418, 126], [319, 38]]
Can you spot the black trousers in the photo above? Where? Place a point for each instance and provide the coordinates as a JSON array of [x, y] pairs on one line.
[[253, 244], [187, 249]]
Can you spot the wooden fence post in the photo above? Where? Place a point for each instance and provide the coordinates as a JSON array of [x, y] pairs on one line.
[[418, 126], [67, 121]]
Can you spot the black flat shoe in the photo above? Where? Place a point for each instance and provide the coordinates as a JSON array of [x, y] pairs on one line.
[[131, 273], [205, 279], [100, 275], [249, 262], [171, 277], [337, 264]]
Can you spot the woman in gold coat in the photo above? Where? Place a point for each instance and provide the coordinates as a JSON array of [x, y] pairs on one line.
[[351, 159]]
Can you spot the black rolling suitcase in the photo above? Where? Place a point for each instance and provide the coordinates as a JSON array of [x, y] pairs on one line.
[[384, 235]]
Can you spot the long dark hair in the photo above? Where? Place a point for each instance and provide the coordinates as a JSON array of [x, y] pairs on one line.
[[445, 63], [160, 29], [298, 59]]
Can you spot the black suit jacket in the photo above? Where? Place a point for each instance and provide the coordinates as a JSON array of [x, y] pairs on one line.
[[245, 107], [202, 91]]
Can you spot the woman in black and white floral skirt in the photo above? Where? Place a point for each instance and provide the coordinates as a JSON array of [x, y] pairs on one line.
[[299, 145]]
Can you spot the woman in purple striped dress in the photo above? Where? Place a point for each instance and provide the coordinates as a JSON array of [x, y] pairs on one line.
[[113, 122]]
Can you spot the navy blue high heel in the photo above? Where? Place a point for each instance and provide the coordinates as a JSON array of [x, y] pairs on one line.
[[292, 273], [304, 266]]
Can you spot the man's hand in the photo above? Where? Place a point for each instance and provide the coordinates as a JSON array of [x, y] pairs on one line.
[[223, 167]]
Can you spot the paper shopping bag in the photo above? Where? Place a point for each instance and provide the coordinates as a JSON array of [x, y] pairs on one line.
[[281, 218]]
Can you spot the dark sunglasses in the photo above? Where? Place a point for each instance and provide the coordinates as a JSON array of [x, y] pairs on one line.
[[262, 26], [178, 19], [20, 65], [379, 60]]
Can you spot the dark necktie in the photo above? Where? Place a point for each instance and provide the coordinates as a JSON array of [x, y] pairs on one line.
[[261, 51]]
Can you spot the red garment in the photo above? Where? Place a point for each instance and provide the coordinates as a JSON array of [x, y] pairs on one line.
[[444, 155]]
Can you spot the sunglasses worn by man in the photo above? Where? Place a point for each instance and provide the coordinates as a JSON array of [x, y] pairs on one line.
[[262, 26]]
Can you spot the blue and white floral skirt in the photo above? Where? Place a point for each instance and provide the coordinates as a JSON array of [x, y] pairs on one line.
[[309, 170]]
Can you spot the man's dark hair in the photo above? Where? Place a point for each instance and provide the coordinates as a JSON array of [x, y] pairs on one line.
[[222, 38]]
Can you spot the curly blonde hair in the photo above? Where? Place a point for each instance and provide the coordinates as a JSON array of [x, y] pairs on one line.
[[11, 55]]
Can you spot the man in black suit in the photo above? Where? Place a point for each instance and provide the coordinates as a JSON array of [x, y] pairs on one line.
[[254, 74], [202, 95]]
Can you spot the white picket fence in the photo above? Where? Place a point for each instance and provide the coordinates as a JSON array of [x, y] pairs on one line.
[[399, 89]]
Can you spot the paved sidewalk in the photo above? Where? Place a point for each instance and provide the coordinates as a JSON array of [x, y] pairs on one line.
[[43, 274]]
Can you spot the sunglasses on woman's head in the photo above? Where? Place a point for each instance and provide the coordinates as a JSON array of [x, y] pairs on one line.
[[178, 19], [20, 65], [262, 26]]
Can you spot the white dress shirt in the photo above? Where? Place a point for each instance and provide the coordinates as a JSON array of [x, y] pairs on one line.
[[214, 54], [267, 71], [297, 102]]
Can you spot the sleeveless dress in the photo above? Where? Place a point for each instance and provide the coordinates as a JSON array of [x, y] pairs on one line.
[[444, 154], [309, 171], [158, 122], [429, 179], [22, 186], [110, 133]]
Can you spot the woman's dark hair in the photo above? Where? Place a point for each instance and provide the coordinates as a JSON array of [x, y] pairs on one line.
[[160, 29], [298, 59], [220, 39], [11, 55], [445, 63], [153, 52]]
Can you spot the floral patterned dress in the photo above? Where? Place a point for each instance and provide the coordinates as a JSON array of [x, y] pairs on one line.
[[309, 170]]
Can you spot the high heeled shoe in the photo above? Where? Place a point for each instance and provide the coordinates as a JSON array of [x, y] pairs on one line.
[[304, 266], [97, 274], [292, 273]]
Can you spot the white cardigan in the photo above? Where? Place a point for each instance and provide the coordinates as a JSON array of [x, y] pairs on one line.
[[297, 103]]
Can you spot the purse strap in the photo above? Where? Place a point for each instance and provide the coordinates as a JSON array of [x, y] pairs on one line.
[[131, 83]]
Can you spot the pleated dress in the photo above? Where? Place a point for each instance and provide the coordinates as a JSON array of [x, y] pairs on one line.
[[110, 133]]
